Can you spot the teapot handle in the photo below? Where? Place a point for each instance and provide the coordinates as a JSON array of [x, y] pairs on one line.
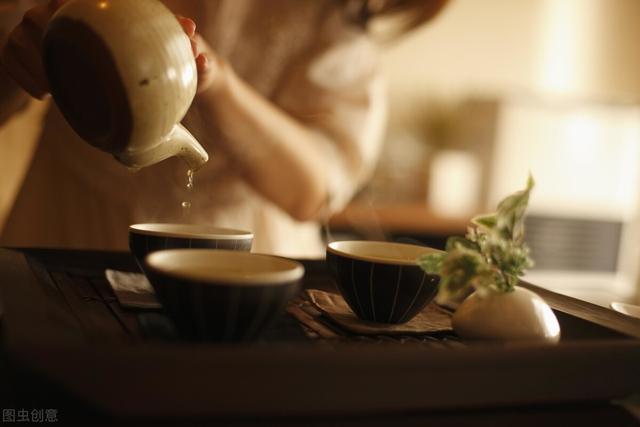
[[179, 142]]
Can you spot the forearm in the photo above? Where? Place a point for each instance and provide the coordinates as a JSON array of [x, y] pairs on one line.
[[280, 157], [12, 97]]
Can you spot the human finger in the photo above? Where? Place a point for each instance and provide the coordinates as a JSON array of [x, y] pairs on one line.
[[22, 61], [21, 55], [22, 76], [202, 63], [188, 25]]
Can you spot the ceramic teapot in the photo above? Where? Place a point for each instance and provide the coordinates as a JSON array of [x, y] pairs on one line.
[[123, 75]]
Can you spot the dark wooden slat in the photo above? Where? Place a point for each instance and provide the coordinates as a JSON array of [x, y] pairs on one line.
[[82, 261], [584, 310], [7, 392], [53, 299], [217, 380], [98, 321], [31, 312], [126, 318], [88, 268], [309, 321]]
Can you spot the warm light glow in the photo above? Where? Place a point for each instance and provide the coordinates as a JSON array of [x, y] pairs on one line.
[[187, 75], [103, 4], [568, 44], [551, 327], [585, 158], [459, 170], [559, 52], [587, 49]]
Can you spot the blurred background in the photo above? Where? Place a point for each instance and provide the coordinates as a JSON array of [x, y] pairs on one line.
[[494, 89], [484, 94]]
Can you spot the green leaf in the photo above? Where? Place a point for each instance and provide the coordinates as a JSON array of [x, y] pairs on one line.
[[510, 214], [455, 241], [518, 199], [493, 254], [488, 221], [432, 263], [459, 270]]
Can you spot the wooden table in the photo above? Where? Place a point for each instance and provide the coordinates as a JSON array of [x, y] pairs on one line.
[[69, 345], [402, 222], [415, 218]]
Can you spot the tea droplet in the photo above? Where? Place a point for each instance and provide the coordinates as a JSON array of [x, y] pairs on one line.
[[186, 205], [190, 179]]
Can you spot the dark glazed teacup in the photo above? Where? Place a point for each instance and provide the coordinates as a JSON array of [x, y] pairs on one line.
[[381, 281], [147, 238], [218, 295]]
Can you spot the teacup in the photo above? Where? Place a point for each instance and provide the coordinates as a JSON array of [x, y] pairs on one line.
[[381, 281], [150, 237], [219, 295]]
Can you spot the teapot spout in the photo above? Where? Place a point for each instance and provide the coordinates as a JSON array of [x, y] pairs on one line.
[[187, 148], [179, 143]]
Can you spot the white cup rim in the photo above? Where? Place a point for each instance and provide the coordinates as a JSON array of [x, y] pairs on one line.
[[189, 231], [212, 266], [380, 251]]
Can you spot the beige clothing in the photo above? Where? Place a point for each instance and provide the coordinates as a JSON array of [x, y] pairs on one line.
[[300, 54]]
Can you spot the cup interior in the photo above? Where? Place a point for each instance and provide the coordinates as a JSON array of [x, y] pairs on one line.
[[224, 266], [191, 231], [379, 252]]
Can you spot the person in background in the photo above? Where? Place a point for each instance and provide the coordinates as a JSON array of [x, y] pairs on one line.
[[290, 105]]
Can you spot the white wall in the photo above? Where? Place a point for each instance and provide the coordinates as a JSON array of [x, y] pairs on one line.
[[581, 48], [473, 46]]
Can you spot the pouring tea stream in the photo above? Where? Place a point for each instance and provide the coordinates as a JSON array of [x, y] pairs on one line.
[[123, 75]]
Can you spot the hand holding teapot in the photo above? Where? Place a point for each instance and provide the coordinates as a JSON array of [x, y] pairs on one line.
[[123, 74]]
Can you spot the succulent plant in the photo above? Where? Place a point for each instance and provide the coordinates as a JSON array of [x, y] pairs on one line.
[[492, 255]]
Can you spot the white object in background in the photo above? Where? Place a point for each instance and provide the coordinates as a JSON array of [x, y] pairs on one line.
[[588, 49], [585, 159], [628, 309], [454, 183], [132, 289], [517, 315]]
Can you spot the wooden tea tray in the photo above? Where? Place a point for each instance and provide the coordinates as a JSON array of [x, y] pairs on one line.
[[67, 342]]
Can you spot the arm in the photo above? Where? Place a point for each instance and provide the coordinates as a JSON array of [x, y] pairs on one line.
[[278, 156], [309, 151], [12, 97]]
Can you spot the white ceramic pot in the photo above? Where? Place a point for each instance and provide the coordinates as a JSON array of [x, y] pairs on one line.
[[123, 75], [517, 315]]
